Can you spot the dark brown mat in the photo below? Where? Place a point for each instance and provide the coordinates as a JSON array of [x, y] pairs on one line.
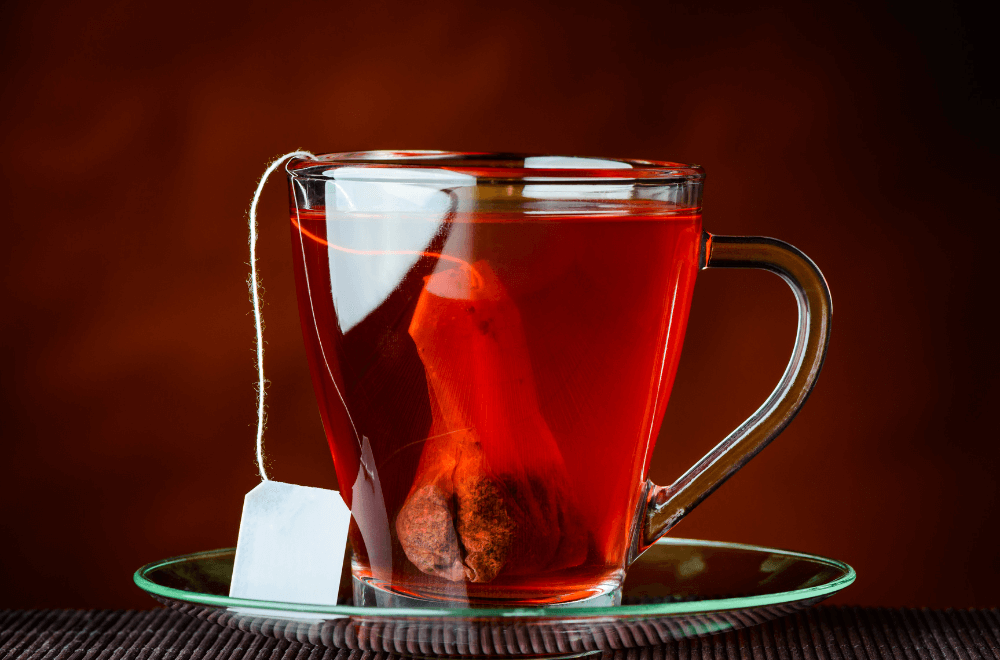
[[821, 633]]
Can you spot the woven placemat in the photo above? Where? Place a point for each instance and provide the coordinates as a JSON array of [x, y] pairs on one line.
[[820, 633]]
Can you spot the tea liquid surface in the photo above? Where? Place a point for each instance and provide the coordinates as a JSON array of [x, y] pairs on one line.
[[530, 356]]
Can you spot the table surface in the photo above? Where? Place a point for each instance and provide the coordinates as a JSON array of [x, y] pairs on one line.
[[820, 633]]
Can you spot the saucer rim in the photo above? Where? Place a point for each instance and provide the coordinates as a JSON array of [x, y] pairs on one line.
[[818, 592]]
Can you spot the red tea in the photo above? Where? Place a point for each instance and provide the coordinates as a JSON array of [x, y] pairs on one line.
[[492, 396]]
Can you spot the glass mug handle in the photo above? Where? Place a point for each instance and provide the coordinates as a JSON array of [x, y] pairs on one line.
[[666, 505]]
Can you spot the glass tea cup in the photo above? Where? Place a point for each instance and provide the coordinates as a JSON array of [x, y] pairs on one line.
[[493, 339]]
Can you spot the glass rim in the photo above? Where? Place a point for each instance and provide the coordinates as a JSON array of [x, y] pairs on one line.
[[499, 167], [845, 578]]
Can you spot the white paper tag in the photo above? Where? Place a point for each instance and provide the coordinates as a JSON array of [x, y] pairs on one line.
[[291, 545]]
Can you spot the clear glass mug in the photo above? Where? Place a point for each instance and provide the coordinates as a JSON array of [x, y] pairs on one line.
[[493, 339]]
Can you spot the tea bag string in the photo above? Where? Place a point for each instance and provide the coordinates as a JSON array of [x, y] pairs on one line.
[[254, 284]]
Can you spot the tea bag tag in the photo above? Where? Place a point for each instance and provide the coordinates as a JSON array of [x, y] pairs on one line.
[[291, 545]]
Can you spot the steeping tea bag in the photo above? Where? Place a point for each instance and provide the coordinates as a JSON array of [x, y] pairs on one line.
[[491, 493]]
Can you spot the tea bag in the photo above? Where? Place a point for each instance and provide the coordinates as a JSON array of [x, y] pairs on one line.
[[491, 493], [291, 545]]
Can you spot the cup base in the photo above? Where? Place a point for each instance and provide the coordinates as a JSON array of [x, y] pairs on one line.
[[368, 592]]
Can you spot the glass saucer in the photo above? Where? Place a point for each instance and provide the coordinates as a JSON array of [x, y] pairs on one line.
[[678, 588]]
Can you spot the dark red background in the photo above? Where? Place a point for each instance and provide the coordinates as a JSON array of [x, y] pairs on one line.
[[133, 134]]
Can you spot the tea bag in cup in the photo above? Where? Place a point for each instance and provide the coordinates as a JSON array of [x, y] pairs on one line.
[[491, 493]]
